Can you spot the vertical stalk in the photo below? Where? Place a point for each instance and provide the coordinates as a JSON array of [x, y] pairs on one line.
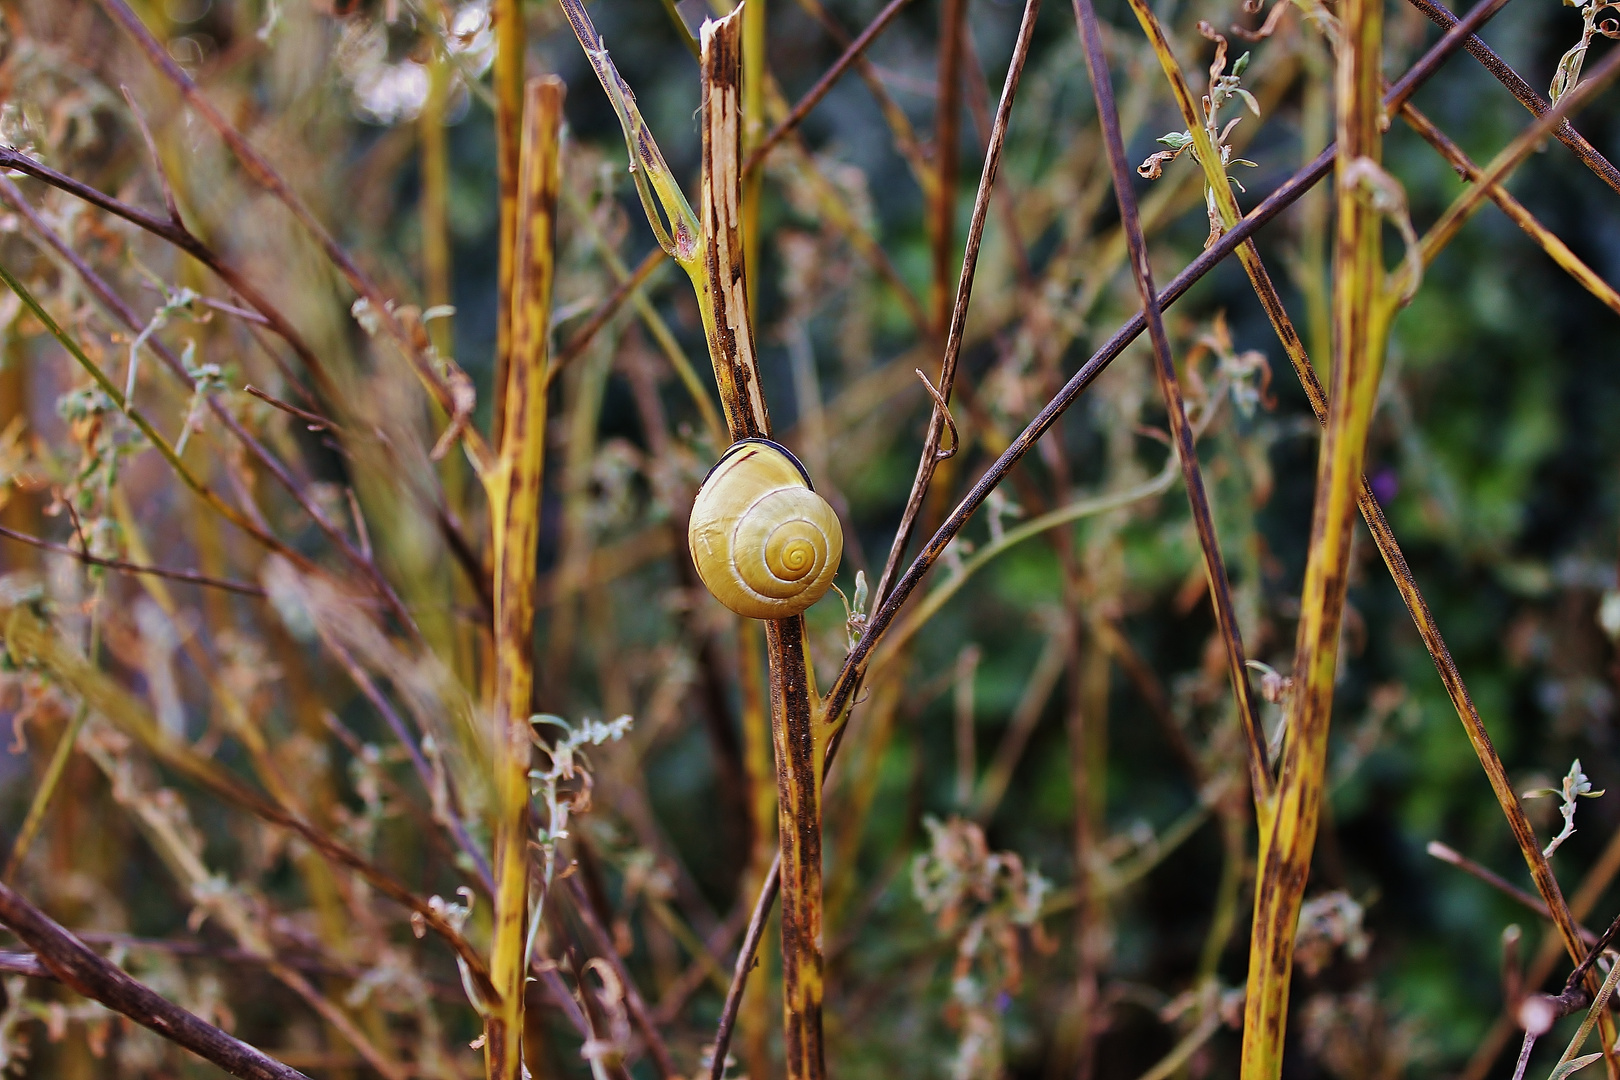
[[1361, 316], [709, 246], [510, 44], [514, 489], [800, 750], [719, 276], [797, 736]]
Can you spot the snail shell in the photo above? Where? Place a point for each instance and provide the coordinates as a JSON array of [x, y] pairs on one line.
[[764, 543]]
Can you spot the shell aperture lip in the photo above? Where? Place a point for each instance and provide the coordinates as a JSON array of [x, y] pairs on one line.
[[744, 445]]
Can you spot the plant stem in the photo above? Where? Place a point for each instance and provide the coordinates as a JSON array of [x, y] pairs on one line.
[[71, 961], [1362, 310], [800, 746], [758, 751], [796, 731], [813, 96], [1164, 371], [1526, 95], [514, 488]]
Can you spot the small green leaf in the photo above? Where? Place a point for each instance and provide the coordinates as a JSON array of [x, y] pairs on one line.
[[1571, 1067]]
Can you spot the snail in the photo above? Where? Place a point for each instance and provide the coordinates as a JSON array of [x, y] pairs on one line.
[[764, 543]]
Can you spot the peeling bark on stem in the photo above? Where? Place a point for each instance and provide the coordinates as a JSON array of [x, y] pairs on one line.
[[795, 730]]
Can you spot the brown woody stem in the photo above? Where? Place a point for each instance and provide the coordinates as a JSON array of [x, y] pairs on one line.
[[795, 730], [67, 958]]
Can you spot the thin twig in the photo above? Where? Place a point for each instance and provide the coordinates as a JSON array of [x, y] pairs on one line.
[[746, 953], [75, 964], [1450, 855], [1220, 587], [606, 310], [601, 945], [1538, 1012], [823, 85], [190, 577], [1525, 94], [943, 408], [930, 460], [941, 209], [315, 421]]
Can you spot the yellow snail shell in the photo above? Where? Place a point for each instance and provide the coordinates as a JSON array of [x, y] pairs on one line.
[[764, 543]]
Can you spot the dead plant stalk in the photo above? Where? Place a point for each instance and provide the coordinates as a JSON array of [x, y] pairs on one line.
[[514, 489], [1362, 310], [710, 247]]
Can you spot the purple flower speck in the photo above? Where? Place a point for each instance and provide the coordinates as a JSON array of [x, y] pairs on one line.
[[1385, 483]]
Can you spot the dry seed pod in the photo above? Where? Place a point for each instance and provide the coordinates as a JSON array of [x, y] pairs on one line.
[[764, 543]]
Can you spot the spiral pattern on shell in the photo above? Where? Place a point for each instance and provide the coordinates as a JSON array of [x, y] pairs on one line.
[[764, 543]]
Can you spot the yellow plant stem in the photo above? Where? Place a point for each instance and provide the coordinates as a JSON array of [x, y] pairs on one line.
[[514, 488], [1362, 309]]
